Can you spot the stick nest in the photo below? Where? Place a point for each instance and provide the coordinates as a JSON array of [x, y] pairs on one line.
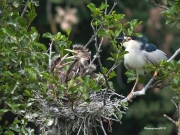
[[63, 115]]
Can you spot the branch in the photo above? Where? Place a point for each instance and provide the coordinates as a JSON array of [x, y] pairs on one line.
[[174, 55], [145, 88], [158, 5], [50, 53], [24, 10], [170, 119], [102, 127]]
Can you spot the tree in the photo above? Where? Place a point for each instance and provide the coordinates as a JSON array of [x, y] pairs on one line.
[[63, 94]]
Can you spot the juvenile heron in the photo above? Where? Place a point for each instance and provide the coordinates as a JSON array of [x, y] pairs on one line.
[[57, 67], [81, 57], [140, 53]]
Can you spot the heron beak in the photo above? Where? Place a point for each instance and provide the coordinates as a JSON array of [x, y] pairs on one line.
[[120, 39], [73, 51], [71, 57]]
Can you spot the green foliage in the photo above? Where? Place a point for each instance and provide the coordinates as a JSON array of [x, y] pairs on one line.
[[22, 62], [173, 13], [108, 25]]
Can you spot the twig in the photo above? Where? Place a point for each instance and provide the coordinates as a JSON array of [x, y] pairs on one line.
[[174, 104], [102, 127], [174, 55], [24, 10], [92, 39], [50, 53], [105, 12], [80, 127], [158, 5], [176, 107], [99, 61], [142, 92], [101, 68], [112, 68], [167, 117]]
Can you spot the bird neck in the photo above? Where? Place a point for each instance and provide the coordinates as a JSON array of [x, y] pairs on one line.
[[132, 48]]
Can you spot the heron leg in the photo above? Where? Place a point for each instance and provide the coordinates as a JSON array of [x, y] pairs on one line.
[[137, 79], [155, 74]]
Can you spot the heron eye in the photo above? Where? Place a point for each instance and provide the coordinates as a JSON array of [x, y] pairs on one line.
[[128, 39]]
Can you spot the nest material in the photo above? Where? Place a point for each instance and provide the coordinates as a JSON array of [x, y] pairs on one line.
[[63, 116]]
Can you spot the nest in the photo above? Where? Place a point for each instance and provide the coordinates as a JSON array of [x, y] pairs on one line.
[[64, 115]]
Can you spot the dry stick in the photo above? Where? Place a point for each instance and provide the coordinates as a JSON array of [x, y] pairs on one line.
[[24, 10], [105, 12], [80, 127], [158, 5], [50, 54], [175, 122], [100, 64], [145, 88], [100, 121], [176, 107], [175, 104]]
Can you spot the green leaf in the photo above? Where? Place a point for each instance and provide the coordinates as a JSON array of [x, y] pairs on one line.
[[85, 96], [8, 132], [112, 74], [110, 59], [86, 80], [40, 46], [2, 111], [22, 22], [103, 33], [47, 35], [178, 25], [31, 16], [91, 6], [130, 79], [103, 6], [15, 127], [119, 115], [49, 121], [27, 93], [14, 106]]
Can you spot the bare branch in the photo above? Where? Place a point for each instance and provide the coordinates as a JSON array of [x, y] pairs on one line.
[[102, 127], [175, 104], [158, 5], [147, 86], [92, 39], [105, 12], [50, 53], [170, 119], [174, 55], [24, 10]]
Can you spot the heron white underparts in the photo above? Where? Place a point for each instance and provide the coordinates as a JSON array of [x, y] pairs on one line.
[[140, 53]]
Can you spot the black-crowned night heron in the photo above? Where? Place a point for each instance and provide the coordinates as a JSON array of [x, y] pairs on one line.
[[140, 53]]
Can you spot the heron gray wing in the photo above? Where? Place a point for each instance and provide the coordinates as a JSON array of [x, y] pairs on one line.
[[155, 56]]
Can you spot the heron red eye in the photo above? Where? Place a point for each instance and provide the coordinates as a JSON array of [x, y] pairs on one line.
[[128, 39]]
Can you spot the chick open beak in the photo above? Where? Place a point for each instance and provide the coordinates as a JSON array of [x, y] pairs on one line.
[[73, 51], [71, 57], [65, 56]]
